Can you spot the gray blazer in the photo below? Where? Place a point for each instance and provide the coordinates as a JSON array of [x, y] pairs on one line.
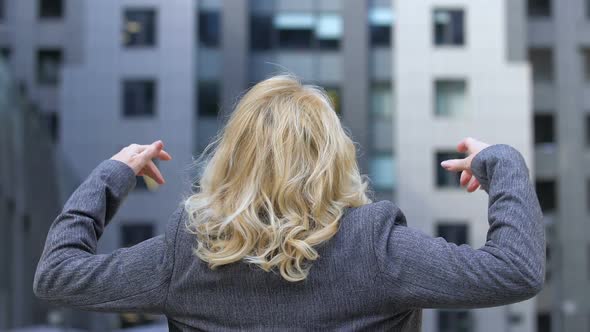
[[374, 274]]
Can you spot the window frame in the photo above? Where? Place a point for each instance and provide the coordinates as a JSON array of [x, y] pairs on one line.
[[440, 224], [383, 188], [464, 36], [43, 16], [450, 79], [536, 119], [554, 206], [137, 79], [532, 15], [550, 73], [450, 154], [40, 79], [155, 38]]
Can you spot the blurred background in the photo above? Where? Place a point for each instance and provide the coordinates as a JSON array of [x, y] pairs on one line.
[[81, 79]]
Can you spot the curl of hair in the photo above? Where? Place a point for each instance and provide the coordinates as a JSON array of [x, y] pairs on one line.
[[278, 179]]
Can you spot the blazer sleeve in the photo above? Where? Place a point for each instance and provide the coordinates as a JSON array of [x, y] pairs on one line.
[[420, 271], [70, 273]]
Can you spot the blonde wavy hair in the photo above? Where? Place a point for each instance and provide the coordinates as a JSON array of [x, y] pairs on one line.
[[280, 175]]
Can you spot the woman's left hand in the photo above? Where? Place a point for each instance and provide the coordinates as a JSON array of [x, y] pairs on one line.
[[139, 158]]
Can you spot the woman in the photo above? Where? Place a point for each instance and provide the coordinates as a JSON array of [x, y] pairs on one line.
[[282, 193]]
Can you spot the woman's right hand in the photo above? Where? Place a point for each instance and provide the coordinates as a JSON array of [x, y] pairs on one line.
[[471, 147]]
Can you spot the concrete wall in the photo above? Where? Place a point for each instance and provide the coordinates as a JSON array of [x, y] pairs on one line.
[[499, 111]]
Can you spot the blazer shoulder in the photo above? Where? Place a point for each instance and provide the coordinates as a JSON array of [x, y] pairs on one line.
[[380, 210]]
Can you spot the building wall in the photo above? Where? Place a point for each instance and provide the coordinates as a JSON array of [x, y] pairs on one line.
[[565, 160], [498, 111], [94, 127]]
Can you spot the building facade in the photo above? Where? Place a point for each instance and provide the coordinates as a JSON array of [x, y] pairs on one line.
[[409, 79], [558, 52]]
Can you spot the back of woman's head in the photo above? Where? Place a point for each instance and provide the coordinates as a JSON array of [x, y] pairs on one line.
[[280, 175]]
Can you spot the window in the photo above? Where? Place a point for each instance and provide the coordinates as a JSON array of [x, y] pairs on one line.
[[334, 94], [328, 31], [5, 53], [51, 8], [450, 97], [208, 99], [380, 23], [449, 27], [209, 28], [588, 130], [2, 9], [542, 62], [544, 322], [546, 192], [445, 178], [539, 8], [139, 28], [261, 32], [544, 129], [48, 66], [139, 97], [51, 121], [295, 31], [132, 234], [382, 100], [453, 232], [382, 171], [455, 321]]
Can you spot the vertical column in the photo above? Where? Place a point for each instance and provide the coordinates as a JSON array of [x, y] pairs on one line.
[[234, 47], [355, 91], [572, 223]]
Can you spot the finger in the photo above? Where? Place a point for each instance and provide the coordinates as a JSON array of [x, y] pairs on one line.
[[473, 185], [465, 177], [454, 165], [164, 155], [152, 151], [153, 172], [466, 145]]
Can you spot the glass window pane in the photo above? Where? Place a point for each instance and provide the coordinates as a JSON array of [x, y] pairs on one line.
[[382, 100], [453, 232], [261, 32], [208, 99], [455, 321], [210, 28], [50, 8], [329, 31], [139, 27], [295, 30], [544, 128], [132, 234], [48, 66], [541, 60], [450, 98], [382, 172], [444, 178], [546, 192], [380, 25], [539, 8], [448, 27], [139, 97]]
